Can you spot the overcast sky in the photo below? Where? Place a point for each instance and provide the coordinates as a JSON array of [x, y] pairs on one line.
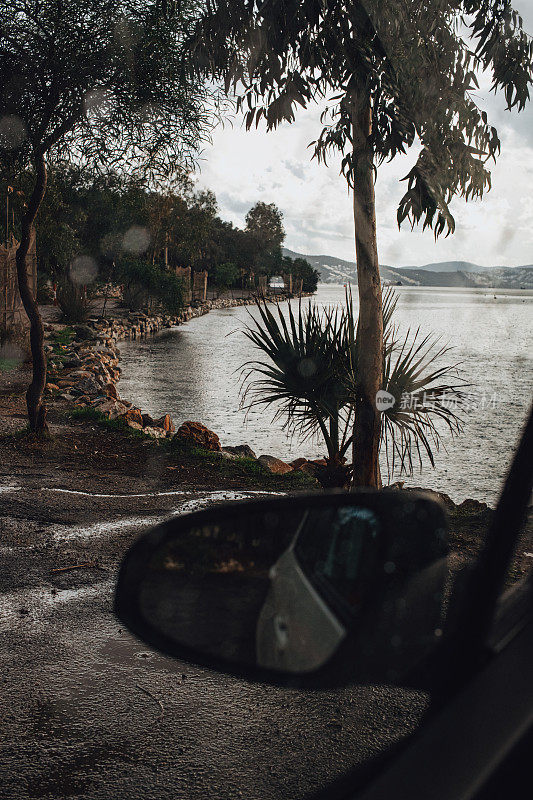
[[242, 167]]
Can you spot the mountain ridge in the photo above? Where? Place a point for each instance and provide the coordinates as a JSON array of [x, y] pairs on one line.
[[445, 273]]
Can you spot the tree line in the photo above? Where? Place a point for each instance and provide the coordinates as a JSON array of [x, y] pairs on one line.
[[120, 224]]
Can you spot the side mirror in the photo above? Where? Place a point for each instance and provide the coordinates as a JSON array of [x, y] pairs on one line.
[[308, 590]]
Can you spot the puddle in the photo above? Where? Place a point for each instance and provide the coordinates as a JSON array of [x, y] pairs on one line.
[[118, 496], [205, 500]]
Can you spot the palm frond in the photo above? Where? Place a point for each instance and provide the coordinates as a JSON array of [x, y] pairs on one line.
[[428, 398]]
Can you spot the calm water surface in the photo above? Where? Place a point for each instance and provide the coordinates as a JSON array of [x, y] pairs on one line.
[[192, 372]]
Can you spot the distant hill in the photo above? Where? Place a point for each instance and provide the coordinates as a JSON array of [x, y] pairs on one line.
[[336, 270], [444, 273], [450, 266]]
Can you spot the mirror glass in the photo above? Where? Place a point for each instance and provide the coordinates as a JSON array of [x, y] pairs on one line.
[[285, 589]]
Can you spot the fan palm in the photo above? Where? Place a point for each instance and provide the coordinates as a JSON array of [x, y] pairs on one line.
[[303, 377], [310, 378]]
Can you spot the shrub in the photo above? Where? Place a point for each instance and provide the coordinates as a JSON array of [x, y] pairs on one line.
[[45, 294], [74, 301], [225, 276], [146, 285]]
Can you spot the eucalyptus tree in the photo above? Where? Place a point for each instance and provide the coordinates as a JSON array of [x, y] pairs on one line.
[[393, 74], [101, 82]]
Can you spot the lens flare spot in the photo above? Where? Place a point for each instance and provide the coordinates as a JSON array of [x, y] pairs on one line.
[[136, 240], [83, 270]]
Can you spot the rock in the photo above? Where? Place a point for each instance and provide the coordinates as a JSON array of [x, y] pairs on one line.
[[111, 391], [226, 452], [72, 362], [80, 373], [158, 433], [84, 332], [133, 418], [441, 497], [274, 465], [134, 425], [148, 421], [298, 463], [197, 434], [111, 408], [89, 386], [241, 451], [311, 468], [166, 423]]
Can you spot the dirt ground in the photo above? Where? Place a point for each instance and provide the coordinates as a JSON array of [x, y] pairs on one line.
[[91, 712], [79, 454]]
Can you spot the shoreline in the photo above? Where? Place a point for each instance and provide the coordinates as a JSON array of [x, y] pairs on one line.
[[84, 370]]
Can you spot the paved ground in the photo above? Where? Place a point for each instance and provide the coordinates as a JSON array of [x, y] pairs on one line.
[[89, 712]]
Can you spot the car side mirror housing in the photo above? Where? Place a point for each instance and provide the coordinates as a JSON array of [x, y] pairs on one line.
[[318, 590]]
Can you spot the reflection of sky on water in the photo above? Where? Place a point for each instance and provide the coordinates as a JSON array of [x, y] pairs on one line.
[[193, 373]]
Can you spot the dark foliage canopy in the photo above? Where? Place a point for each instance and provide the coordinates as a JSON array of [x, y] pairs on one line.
[[102, 81], [416, 63]]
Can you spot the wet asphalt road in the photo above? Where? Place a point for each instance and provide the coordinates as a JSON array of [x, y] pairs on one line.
[[90, 712]]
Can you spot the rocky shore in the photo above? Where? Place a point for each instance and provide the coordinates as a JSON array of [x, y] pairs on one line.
[[84, 370], [84, 360]]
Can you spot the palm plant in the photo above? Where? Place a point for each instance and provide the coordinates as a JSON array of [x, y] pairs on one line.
[[310, 378], [303, 377]]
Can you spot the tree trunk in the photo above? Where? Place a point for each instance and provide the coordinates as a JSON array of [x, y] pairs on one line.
[[367, 423], [34, 394]]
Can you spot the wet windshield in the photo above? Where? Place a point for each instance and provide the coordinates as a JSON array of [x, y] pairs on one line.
[[249, 250]]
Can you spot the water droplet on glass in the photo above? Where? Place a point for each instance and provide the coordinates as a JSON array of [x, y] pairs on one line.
[[83, 270], [136, 239]]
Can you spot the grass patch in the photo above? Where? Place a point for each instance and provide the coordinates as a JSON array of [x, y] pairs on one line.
[[247, 471], [61, 339], [247, 468], [8, 364], [113, 425], [26, 435]]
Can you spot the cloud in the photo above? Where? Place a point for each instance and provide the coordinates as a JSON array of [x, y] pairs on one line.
[[296, 169], [232, 203]]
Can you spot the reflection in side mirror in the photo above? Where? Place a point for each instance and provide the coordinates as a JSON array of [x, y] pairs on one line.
[[288, 585]]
